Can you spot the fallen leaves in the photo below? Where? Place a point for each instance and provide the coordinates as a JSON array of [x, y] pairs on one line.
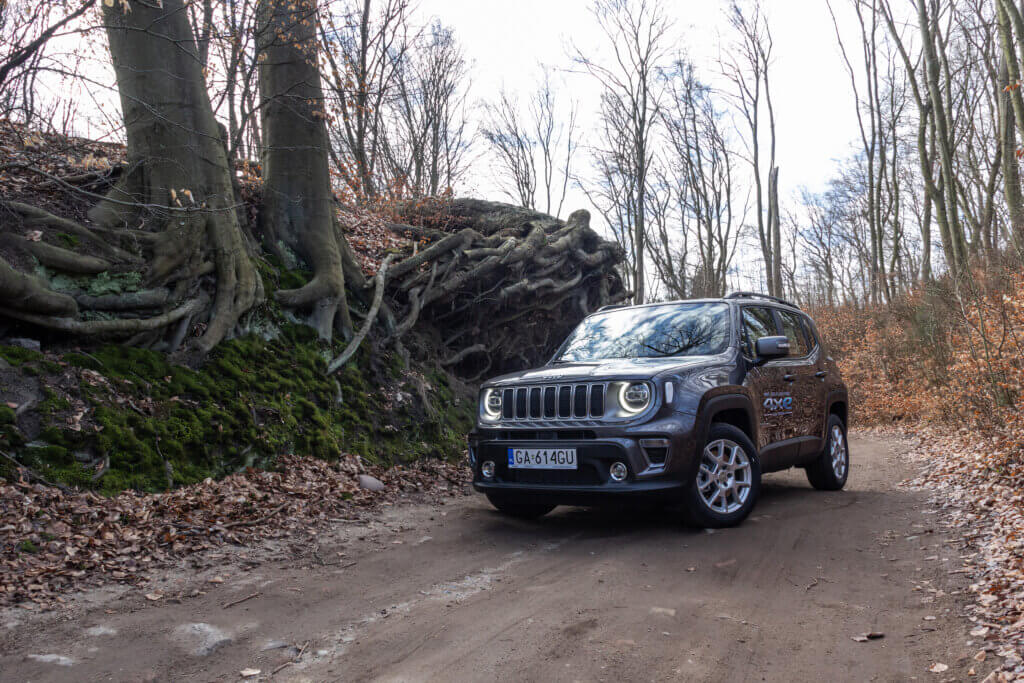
[[84, 539], [978, 488]]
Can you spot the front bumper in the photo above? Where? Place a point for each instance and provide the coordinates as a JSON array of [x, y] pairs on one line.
[[651, 476]]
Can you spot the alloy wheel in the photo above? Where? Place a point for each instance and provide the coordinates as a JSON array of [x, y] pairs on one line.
[[724, 477], [837, 445]]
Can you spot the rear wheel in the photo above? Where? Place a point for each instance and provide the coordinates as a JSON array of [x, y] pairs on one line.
[[520, 510], [728, 480], [830, 470]]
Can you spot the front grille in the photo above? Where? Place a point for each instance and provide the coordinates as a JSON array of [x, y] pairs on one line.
[[557, 402], [543, 435]]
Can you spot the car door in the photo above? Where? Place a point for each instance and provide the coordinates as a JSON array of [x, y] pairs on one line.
[[821, 390], [769, 390], [804, 387]]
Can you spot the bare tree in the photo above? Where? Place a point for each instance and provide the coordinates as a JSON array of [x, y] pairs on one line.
[[638, 33], [701, 164], [510, 139], [748, 68], [535, 149], [364, 49], [298, 204], [25, 30], [425, 150]]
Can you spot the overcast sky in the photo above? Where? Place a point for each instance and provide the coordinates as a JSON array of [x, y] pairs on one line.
[[506, 41]]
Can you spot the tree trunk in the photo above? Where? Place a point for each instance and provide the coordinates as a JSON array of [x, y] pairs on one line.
[[775, 235], [1011, 115], [178, 182], [298, 215]]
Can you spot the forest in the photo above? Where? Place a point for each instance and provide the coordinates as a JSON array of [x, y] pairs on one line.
[[237, 233]]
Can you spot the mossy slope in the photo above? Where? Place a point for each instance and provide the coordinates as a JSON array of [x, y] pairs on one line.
[[141, 420]]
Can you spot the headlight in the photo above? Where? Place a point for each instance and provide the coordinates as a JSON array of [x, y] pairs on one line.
[[634, 398], [630, 398], [490, 404]]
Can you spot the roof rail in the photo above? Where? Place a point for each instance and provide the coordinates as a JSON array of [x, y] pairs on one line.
[[756, 295], [612, 306]]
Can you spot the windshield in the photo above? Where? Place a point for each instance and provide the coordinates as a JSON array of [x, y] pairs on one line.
[[650, 332]]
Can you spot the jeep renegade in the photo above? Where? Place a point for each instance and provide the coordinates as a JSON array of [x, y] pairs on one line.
[[688, 402]]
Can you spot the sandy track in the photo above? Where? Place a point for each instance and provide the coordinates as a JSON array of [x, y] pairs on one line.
[[458, 592]]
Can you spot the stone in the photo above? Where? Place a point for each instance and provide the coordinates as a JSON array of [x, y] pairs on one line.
[[101, 630], [25, 343], [201, 639], [370, 483], [59, 660]]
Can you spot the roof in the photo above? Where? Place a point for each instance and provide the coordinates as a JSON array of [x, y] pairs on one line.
[[731, 297]]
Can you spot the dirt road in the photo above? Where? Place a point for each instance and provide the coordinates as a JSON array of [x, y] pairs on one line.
[[457, 592]]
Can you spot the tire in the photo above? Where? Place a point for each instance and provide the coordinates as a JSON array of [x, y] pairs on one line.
[[720, 496], [520, 510], [830, 471]]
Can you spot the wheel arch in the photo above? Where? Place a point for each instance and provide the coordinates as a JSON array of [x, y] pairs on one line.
[[839, 405], [733, 409]]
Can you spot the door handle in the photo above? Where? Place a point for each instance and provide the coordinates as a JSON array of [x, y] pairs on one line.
[[789, 378], [820, 374]]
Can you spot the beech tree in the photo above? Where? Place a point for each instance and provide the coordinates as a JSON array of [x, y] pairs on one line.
[[298, 216], [175, 197]]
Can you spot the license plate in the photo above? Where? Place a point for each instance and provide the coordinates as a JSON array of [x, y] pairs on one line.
[[542, 458]]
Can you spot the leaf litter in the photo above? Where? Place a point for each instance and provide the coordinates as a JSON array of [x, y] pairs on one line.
[[52, 541]]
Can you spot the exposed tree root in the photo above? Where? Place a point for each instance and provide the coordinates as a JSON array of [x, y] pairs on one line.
[[57, 257], [378, 297], [120, 326], [499, 267], [29, 293], [130, 301], [37, 216]]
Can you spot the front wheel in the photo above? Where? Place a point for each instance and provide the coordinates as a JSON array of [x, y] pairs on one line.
[[728, 480], [520, 510], [830, 470]]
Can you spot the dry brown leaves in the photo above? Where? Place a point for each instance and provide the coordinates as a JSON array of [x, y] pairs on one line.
[[51, 542], [979, 485], [371, 239]]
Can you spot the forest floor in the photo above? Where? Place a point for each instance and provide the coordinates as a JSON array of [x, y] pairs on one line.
[[869, 583]]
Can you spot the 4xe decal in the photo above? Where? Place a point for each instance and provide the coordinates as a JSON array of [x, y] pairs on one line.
[[777, 403]]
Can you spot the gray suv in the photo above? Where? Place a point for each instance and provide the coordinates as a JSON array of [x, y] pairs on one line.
[[687, 402]]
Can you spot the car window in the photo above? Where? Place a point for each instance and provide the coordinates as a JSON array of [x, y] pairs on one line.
[[757, 322], [810, 332], [794, 332]]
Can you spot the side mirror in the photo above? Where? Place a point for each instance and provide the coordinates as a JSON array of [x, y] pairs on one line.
[[772, 347]]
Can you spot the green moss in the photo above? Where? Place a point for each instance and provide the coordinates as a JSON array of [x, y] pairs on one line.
[[253, 399], [17, 356], [69, 241], [28, 546]]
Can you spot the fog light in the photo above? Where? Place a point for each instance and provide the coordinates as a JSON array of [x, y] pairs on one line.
[[618, 471], [487, 469]]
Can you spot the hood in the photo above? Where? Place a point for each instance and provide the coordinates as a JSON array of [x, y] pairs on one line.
[[615, 368]]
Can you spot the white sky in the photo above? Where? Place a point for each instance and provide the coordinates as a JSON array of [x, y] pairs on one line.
[[816, 124]]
